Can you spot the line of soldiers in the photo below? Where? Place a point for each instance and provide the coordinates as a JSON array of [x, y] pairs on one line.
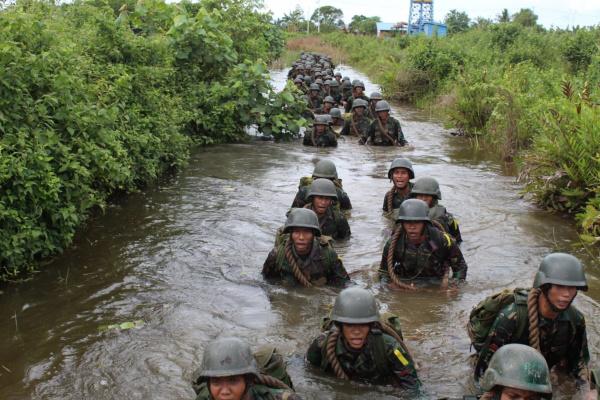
[[328, 93], [518, 335]]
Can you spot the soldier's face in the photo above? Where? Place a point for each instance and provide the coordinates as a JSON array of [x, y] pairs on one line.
[[356, 335], [321, 204], [302, 239], [518, 394], [414, 230], [400, 177], [427, 198], [314, 93], [358, 90], [561, 296], [228, 387], [319, 128], [383, 114], [359, 111]]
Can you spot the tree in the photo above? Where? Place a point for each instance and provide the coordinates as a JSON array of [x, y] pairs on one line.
[[293, 21], [457, 21], [364, 25], [504, 16], [328, 18], [525, 17]]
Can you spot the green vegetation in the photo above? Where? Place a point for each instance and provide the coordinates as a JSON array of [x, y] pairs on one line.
[[533, 94], [97, 99]]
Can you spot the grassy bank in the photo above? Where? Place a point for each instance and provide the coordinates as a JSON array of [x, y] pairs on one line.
[[529, 93], [98, 99]]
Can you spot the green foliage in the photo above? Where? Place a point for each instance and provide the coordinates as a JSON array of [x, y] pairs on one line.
[[457, 21], [98, 98], [328, 18], [525, 17], [580, 49], [364, 25]]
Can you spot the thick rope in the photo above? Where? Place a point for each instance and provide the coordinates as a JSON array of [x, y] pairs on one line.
[[289, 255], [390, 260], [272, 382], [353, 125], [385, 132], [532, 313], [312, 137], [389, 199], [330, 354]]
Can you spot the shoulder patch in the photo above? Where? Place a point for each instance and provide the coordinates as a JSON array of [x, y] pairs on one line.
[[448, 240], [400, 357]]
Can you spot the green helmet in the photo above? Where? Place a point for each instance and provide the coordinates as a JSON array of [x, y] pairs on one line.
[[376, 96], [335, 113], [298, 80], [334, 83], [321, 119], [355, 306], [520, 367], [227, 357], [319, 81], [325, 169], [426, 185], [401, 163], [302, 218], [359, 103], [346, 85], [314, 86], [346, 78], [359, 84], [327, 82], [307, 79], [561, 269], [329, 99], [322, 187], [382, 105], [338, 74], [413, 210]]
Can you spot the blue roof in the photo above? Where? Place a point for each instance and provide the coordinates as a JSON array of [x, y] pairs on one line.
[[385, 26]]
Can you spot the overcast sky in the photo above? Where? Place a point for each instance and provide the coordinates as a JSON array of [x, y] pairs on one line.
[[559, 13]]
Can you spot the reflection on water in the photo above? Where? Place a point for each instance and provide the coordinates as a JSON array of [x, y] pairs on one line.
[[185, 257]]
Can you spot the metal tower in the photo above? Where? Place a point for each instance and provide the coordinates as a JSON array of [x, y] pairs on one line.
[[421, 11]]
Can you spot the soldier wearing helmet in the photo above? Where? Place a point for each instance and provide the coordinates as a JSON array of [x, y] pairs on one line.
[[328, 103], [327, 170], [558, 329], [428, 190], [358, 124], [356, 346], [302, 257], [321, 134], [400, 173], [346, 89], [322, 196], [418, 250], [337, 120], [375, 97], [338, 77], [358, 88], [335, 92], [517, 371], [229, 372], [385, 130], [314, 97]]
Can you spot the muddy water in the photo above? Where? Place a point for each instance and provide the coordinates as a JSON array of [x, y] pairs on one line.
[[185, 258]]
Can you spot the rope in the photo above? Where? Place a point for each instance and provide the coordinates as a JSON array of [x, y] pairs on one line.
[[385, 132], [353, 125], [312, 137], [295, 268], [330, 354], [532, 313], [390, 260], [389, 198], [272, 382]]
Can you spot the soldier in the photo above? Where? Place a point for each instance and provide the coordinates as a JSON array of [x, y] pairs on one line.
[[337, 121], [301, 257], [323, 169], [327, 87], [334, 91], [314, 97], [322, 195], [358, 347], [358, 88], [548, 321], [374, 99], [418, 250], [346, 89], [385, 130], [229, 372], [321, 134], [517, 372], [327, 105], [299, 82], [358, 124], [400, 173], [338, 77], [428, 190]]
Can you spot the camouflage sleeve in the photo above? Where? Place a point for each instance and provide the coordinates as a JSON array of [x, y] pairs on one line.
[[300, 199], [385, 205], [343, 228], [314, 354], [456, 260], [332, 139], [453, 228], [501, 333], [383, 274], [345, 203], [346, 128], [269, 270], [402, 365], [338, 276], [371, 131], [307, 139], [579, 354], [401, 140]]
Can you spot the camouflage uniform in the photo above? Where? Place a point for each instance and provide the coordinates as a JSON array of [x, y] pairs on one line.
[[439, 214], [358, 128], [351, 99], [430, 259], [396, 366], [254, 392], [394, 130], [326, 139], [397, 198], [333, 223], [322, 264], [301, 196], [563, 341], [314, 103]]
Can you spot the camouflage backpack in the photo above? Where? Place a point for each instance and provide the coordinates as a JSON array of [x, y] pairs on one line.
[[484, 314]]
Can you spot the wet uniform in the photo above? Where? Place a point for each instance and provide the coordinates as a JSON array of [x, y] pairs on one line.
[[326, 139], [439, 214], [333, 223], [376, 136], [301, 198], [356, 127], [351, 99], [394, 198]]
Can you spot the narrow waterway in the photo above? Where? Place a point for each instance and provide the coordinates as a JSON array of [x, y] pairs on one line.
[[184, 259]]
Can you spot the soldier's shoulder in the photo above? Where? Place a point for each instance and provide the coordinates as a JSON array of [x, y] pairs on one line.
[[575, 315]]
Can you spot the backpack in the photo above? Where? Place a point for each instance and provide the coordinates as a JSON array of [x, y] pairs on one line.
[[484, 314]]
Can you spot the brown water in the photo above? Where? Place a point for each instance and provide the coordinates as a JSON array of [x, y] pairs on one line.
[[185, 257]]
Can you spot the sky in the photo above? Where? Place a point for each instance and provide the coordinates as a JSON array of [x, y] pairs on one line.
[[557, 13]]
